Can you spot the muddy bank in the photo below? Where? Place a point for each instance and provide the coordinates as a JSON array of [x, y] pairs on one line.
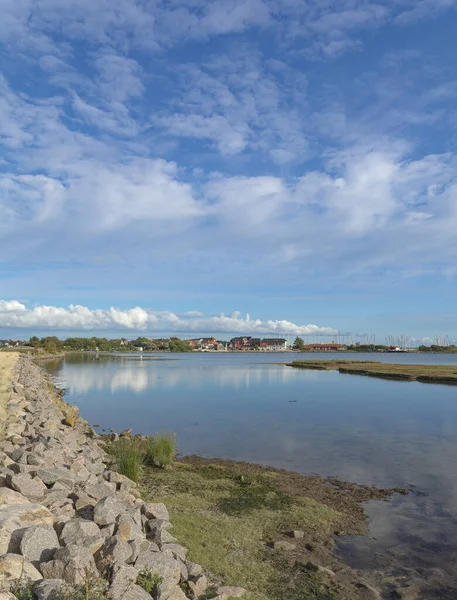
[[440, 374], [230, 493]]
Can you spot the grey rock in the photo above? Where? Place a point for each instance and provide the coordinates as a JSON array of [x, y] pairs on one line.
[[128, 530], [140, 546], [166, 591], [27, 486], [114, 551], [74, 565], [8, 496], [156, 511], [95, 467], [194, 569], [123, 579], [108, 530], [198, 586], [52, 476], [19, 388], [107, 510], [175, 550], [157, 531], [165, 566], [14, 566], [15, 518], [183, 570], [39, 543], [74, 531], [34, 460], [100, 490]]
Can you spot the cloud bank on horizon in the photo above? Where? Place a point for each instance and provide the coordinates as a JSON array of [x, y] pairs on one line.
[[228, 147], [14, 314]]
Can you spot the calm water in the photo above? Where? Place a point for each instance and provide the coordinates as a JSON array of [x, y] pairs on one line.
[[360, 429]]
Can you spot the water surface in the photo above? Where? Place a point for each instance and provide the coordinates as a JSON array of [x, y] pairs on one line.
[[373, 431]]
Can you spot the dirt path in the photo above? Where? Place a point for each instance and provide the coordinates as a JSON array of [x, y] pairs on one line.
[[8, 362]]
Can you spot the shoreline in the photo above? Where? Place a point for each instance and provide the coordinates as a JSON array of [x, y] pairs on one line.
[[194, 492]]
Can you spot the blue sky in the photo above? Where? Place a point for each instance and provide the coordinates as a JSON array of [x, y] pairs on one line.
[[181, 160]]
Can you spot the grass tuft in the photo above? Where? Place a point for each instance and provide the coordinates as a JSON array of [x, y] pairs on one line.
[[161, 450], [149, 581], [130, 455]]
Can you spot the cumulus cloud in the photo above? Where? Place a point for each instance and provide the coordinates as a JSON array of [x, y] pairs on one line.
[[13, 314]]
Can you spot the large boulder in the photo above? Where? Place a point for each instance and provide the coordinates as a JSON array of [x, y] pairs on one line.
[[52, 476], [128, 529], [39, 543], [122, 580], [16, 567], [76, 530], [160, 564], [114, 551], [165, 591], [156, 511], [8, 496], [101, 489], [107, 510], [15, 518], [72, 564], [32, 487]]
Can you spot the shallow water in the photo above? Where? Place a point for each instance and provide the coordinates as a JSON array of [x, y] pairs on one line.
[[373, 431]]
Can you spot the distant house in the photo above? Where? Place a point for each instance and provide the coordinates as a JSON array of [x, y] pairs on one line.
[[210, 343], [253, 343], [10, 343], [238, 343], [324, 347], [274, 344]]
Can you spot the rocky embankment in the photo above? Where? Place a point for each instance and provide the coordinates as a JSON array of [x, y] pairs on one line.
[[71, 527]]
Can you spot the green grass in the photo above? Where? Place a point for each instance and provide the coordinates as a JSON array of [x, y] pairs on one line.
[[148, 580], [226, 519], [130, 456], [161, 450], [132, 453]]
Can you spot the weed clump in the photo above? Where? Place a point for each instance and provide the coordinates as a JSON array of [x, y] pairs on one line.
[[132, 453], [130, 456], [149, 581], [161, 450]]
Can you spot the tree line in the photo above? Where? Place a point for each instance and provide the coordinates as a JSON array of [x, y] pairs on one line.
[[54, 345]]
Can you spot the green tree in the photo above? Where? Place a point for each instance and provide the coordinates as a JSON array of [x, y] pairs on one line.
[[177, 345], [34, 341], [299, 344]]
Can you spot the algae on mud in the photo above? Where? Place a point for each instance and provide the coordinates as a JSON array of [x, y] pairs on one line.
[[230, 515]]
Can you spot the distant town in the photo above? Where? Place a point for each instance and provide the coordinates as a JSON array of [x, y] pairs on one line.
[[53, 345]]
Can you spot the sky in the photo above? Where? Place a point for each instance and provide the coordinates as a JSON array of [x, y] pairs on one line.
[[232, 166]]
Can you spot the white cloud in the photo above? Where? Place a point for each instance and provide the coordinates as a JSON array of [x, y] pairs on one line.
[[13, 314]]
